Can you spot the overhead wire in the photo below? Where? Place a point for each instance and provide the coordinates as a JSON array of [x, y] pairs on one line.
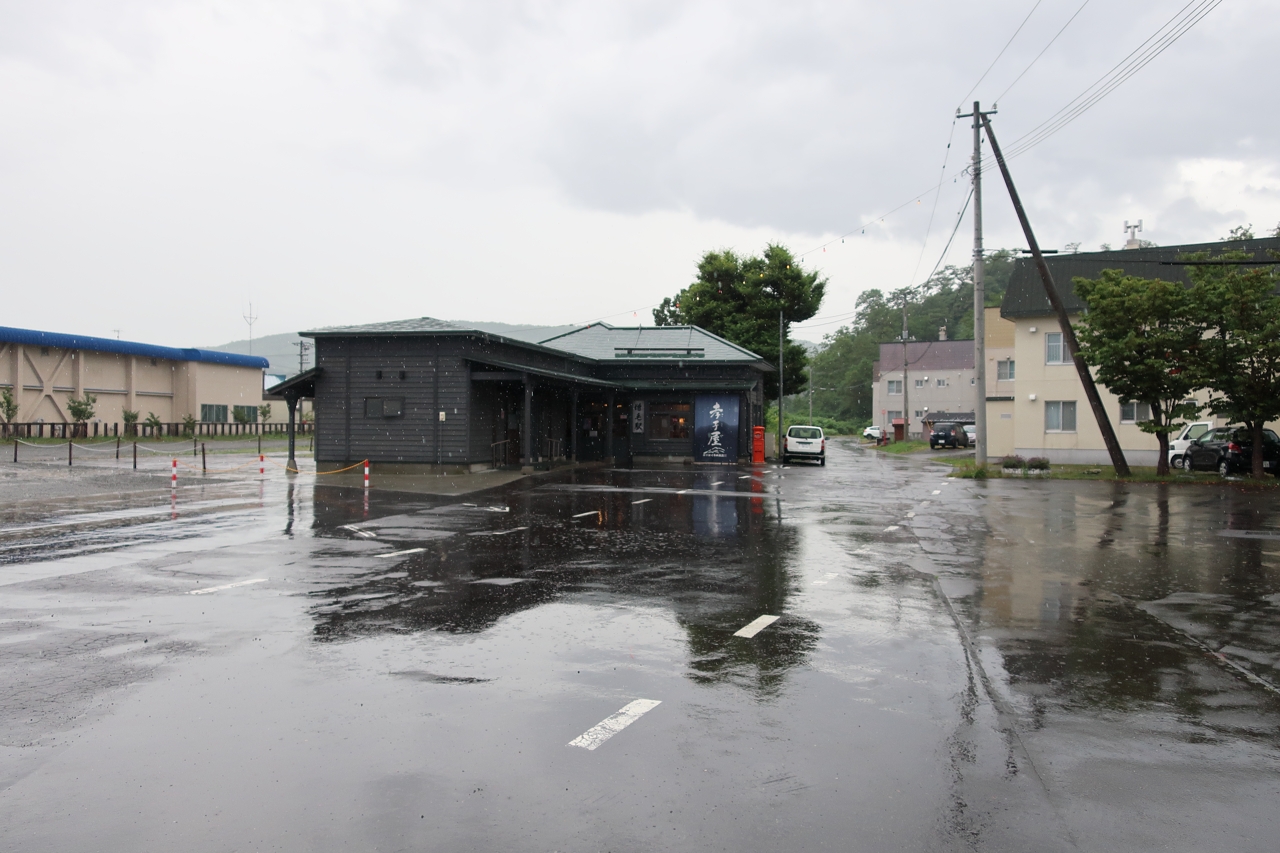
[[1001, 53], [1041, 53], [936, 195]]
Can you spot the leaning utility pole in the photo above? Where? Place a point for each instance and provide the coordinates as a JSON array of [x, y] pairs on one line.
[[979, 297], [1068, 334]]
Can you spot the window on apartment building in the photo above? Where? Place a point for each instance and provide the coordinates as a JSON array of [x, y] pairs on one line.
[[893, 415], [1060, 416], [919, 413], [895, 387], [1133, 413], [1053, 351], [920, 383], [942, 383], [211, 413], [1005, 370]]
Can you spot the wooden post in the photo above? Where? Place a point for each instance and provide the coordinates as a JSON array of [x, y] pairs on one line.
[[204, 462]]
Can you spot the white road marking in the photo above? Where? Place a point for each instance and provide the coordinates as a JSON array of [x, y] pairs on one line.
[[401, 553], [911, 515], [745, 477], [937, 491], [826, 578], [512, 530], [641, 501], [891, 528], [755, 626], [227, 586], [584, 514], [718, 483], [366, 534], [683, 492], [610, 726], [498, 508]]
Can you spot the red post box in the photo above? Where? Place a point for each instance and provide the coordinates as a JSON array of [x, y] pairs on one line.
[[757, 445]]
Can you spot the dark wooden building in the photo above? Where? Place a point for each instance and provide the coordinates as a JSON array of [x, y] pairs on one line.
[[425, 392]]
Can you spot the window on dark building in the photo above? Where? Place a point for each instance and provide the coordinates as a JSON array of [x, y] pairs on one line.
[[670, 420]]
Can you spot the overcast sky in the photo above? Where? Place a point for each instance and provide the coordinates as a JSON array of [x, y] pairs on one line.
[[164, 163]]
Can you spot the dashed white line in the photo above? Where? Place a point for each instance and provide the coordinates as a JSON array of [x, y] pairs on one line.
[[745, 477], [400, 553], [755, 626], [610, 726], [227, 586], [641, 501], [937, 491], [891, 528]]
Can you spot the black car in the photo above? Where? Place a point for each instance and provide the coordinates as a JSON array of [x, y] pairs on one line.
[[1229, 450], [948, 435]]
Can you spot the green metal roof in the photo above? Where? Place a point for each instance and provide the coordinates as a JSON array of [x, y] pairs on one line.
[[1025, 296]]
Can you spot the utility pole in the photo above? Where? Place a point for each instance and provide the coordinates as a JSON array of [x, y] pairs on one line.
[[250, 318], [979, 297], [1064, 321], [302, 346], [810, 392], [781, 340], [906, 400]]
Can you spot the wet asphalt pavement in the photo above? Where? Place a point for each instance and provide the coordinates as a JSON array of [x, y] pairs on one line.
[[554, 665]]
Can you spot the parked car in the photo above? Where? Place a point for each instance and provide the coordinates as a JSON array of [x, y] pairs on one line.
[[971, 431], [873, 432], [948, 435], [1229, 450], [805, 442], [1178, 446]]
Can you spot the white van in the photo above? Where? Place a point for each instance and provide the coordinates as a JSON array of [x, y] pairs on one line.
[[805, 442], [1178, 446]]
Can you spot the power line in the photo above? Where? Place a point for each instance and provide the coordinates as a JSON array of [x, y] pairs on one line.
[[1001, 53], [1042, 52], [936, 195]]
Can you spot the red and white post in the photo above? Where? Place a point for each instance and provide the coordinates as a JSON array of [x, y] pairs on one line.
[[262, 464], [173, 478], [366, 475]]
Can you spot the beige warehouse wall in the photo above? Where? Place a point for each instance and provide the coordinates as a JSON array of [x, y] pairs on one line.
[[44, 378]]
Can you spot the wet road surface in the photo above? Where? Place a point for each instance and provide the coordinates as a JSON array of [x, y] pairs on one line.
[[585, 661]]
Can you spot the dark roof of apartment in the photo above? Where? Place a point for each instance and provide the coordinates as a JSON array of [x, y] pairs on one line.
[[1025, 296], [927, 355]]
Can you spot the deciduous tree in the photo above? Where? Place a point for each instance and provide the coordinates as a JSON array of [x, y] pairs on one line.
[[1142, 337]]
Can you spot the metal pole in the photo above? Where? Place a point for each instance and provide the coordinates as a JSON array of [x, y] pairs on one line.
[[69, 446], [810, 393], [135, 456], [1064, 321], [204, 462], [781, 345], [117, 448], [906, 399], [979, 302]]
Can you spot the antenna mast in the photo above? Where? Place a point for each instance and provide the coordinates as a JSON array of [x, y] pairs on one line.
[[252, 318]]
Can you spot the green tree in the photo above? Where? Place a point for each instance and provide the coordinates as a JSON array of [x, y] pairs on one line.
[[1240, 351], [264, 412], [1142, 337], [8, 405], [130, 418], [153, 421], [188, 424], [82, 409], [740, 299]]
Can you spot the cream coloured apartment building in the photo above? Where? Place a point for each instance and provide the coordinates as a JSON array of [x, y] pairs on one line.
[[1042, 410]]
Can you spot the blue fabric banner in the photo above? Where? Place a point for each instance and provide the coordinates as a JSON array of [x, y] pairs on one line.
[[715, 428]]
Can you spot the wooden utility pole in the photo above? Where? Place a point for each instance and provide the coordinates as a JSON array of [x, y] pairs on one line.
[[906, 400], [979, 297], [1068, 333]]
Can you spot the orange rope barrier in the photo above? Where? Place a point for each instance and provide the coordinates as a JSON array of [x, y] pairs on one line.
[[318, 473]]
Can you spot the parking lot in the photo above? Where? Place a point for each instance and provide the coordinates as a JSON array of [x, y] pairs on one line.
[[861, 656]]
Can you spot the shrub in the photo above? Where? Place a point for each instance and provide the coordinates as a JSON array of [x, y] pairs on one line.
[[81, 410], [188, 424], [8, 405], [1038, 463], [1013, 462], [264, 412], [153, 421]]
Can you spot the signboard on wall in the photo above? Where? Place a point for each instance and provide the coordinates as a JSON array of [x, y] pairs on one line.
[[715, 428], [637, 416]]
